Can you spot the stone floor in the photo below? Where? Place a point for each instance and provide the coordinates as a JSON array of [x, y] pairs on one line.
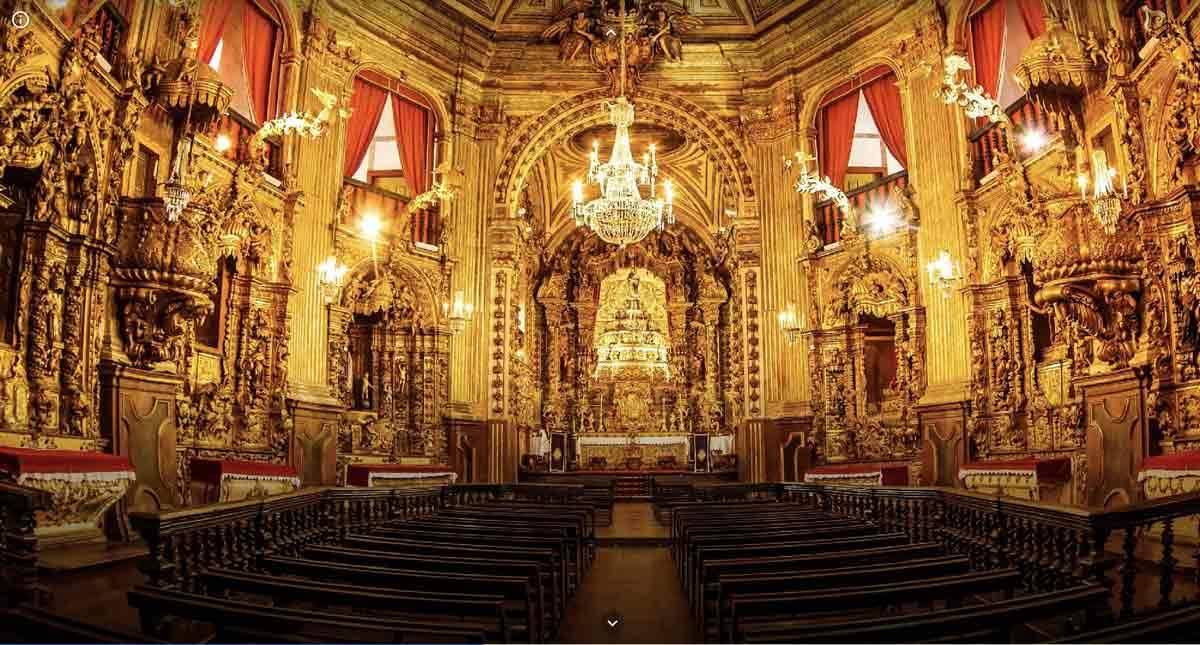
[[633, 582]]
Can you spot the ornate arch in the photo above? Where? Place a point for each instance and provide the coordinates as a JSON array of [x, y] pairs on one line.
[[534, 136], [429, 92], [401, 276], [812, 104], [867, 284]]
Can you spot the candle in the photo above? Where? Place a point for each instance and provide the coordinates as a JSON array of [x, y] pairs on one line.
[[668, 190], [577, 191]]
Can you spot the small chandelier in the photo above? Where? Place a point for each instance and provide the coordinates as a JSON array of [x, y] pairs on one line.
[[620, 215], [175, 193], [1105, 204], [459, 313], [789, 323], [944, 272], [331, 274]]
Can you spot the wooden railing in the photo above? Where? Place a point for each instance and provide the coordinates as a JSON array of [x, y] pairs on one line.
[[862, 200], [240, 130], [391, 207], [18, 544], [1053, 546], [986, 140], [110, 27]]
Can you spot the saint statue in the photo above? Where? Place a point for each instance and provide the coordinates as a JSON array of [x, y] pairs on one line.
[[364, 392]]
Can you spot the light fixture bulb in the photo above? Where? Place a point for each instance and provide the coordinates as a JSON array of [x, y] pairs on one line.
[[222, 143], [1033, 140], [371, 225]]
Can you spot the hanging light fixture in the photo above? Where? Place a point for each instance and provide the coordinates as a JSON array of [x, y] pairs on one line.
[[944, 272], [331, 274], [621, 215], [176, 194], [1104, 203]]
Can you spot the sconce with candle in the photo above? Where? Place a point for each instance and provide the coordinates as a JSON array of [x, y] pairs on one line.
[[790, 324], [1104, 202], [458, 313], [944, 272], [331, 274]]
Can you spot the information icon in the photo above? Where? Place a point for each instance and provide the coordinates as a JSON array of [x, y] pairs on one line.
[[20, 19]]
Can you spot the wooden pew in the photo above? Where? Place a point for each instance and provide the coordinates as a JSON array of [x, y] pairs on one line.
[[154, 604], [768, 607], [904, 570], [515, 589], [422, 606], [27, 624], [990, 622], [524, 523], [1178, 625], [538, 574], [888, 549]]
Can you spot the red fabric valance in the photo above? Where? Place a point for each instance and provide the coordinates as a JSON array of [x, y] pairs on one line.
[[1055, 469], [1033, 14], [856, 82], [366, 106], [883, 99], [211, 470], [18, 461], [836, 136]]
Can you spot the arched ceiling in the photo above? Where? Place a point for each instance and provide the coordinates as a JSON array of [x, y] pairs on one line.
[[526, 19]]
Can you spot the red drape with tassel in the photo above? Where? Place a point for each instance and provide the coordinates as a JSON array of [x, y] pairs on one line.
[[367, 105], [883, 99], [413, 136], [213, 19], [1033, 14], [259, 35], [987, 43]]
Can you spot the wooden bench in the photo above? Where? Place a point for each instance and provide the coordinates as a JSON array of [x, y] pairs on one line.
[[904, 570], [26, 624], [770, 607], [482, 610], [155, 605], [1178, 625], [518, 591], [990, 622]]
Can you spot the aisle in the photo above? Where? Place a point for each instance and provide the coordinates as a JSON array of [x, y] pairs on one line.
[[637, 583]]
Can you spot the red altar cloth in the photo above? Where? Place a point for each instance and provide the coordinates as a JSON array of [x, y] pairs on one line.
[[886, 474], [362, 474], [617, 472], [23, 461], [1057, 469], [212, 470], [1180, 464]]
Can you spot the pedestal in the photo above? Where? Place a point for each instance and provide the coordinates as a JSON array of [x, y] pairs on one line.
[[137, 415], [314, 441]]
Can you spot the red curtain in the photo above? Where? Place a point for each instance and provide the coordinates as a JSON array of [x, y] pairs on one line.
[[987, 43], [837, 136], [367, 107], [883, 99], [413, 135], [258, 46], [1033, 14], [213, 19]]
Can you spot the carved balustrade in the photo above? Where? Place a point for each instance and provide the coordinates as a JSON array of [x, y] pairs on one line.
[[992, 139], [1053, 546], [19, 545], [862, 200]]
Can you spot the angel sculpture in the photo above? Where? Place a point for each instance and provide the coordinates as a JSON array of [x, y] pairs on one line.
[[665, 23], [573, 27]]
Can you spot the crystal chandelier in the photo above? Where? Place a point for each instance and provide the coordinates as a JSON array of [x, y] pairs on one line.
[[458, 314], [1105, 204], [620, 215]]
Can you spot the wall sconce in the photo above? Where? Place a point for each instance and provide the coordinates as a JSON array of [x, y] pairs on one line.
[[1105, 204], [789, 323], [943, 273], [331, 274], [459, 313]]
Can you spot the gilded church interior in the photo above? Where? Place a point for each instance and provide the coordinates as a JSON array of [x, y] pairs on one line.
[[859, 283]]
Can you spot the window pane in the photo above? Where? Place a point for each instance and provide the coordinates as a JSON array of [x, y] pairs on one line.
[[387, 155], [215, 63]]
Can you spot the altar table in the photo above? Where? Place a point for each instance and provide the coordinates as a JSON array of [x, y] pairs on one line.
[[231, 480], [1174, 474], [82, 486], [399, 475], [615, 448], [1032, 479], [860, 474]]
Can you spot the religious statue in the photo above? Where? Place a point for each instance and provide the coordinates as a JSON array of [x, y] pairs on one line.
[[364, 392], [665, 22], [574, 25]]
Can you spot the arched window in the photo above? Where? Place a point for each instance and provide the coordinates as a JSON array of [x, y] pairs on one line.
[[390, 145], [1000, 31], [860, 143], [241, 41]]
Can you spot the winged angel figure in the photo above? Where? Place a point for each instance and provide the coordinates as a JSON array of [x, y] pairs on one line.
[[573, 27], [665, 22]]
